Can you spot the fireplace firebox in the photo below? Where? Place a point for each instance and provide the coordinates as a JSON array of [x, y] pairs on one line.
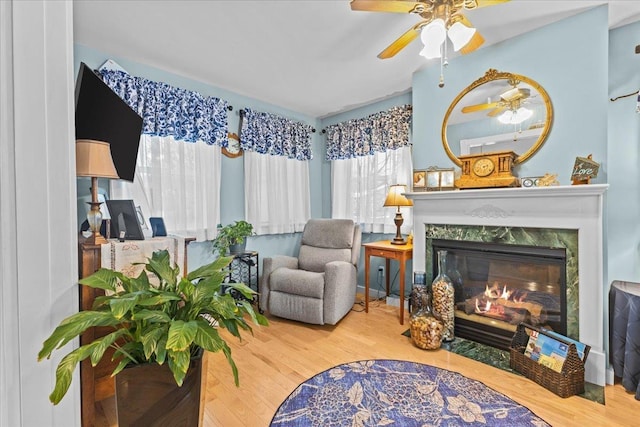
[[497, 286]]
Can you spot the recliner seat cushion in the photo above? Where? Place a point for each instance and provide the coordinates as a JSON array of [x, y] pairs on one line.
[[298, 282]]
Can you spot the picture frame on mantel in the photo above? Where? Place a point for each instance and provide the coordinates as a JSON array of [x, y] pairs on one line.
[[419, 180]]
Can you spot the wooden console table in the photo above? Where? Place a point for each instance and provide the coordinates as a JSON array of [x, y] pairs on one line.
[[96, 383], [389, 251]]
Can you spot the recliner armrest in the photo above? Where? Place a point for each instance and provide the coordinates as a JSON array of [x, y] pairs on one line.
[[268, 266]]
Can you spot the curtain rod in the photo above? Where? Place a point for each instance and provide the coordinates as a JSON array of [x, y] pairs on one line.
[[241, 112], [624, 96]]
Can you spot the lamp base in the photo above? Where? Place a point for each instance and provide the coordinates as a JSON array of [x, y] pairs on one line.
[[398, 240]]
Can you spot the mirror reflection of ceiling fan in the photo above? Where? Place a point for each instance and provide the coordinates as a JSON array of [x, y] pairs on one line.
[[511, 99], [508, 108], [440, 18]]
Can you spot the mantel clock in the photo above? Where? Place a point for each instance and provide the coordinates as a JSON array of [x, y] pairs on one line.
[[487, 170]]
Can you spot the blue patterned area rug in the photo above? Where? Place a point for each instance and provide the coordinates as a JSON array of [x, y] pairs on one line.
[[398, 393]]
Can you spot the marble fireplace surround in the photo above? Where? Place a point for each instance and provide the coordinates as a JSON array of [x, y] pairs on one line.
[[561, 207]]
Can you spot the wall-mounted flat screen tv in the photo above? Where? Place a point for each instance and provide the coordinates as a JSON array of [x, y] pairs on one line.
[[102, 115]]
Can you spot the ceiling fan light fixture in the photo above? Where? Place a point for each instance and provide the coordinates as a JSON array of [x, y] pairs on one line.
[[432, 36], [460, 35], [515, 117]]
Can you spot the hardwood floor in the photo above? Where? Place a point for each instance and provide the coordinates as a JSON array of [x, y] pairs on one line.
[[277, 358]]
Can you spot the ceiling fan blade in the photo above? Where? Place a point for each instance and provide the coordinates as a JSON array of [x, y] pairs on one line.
[[397, 6], [475, 42], [402, 41], [485, 3], [497, 111], [479, 107]]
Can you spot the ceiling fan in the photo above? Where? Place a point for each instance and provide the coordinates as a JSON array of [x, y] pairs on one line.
[[511, 99], [440, 18], [509, 107]]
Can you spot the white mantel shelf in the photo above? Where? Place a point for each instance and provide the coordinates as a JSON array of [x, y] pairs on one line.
[[513, 192], [570, 207]]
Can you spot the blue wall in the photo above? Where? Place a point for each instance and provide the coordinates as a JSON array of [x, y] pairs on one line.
[[567, 58], [623, 197]]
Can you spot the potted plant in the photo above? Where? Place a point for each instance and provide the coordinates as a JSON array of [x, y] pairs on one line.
[[232, 238], [159, 321]]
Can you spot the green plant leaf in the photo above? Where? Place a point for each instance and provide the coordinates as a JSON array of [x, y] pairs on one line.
[[151, 338], [179, 364], [208, 338], [121, 306], [102, 279], [152, 316], [160, 264], [161, 349], [64, 373], [257, 318], [99, 346], [181, 335], [73, 326], [140, 283], [161, 298], [209, 269], [227, 352]]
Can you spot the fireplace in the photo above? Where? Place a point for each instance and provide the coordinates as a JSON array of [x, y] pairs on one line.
[[497, 286], [558, 212]]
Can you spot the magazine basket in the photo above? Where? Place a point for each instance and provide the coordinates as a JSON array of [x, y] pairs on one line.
[[567, 382]]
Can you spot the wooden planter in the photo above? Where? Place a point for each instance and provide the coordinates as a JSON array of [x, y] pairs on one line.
[[147, 395]]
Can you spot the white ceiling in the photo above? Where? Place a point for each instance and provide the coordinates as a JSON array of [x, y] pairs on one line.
[[315, 57]]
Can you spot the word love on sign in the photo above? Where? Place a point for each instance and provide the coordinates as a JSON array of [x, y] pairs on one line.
[[584, 169]]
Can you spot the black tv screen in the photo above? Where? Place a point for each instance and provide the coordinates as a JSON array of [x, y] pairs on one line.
[[102, 115]]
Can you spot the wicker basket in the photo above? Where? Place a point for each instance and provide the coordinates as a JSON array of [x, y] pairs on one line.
[[566, 383]]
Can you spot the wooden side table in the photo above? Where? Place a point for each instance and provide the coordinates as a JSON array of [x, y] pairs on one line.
[[384, 249]]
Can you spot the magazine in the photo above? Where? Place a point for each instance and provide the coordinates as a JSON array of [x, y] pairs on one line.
[[546, 350], [532, 351], [552, 352], [580, 347]]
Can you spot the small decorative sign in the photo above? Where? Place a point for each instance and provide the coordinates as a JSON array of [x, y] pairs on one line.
[[584, 169]]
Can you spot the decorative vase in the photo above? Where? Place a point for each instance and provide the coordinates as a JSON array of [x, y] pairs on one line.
[[147, 395], [444, 297], [456, 278], [419, 288], [426, 329]]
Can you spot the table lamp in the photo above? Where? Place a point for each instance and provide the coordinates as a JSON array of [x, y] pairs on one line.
[[93, 159], [396, 197]]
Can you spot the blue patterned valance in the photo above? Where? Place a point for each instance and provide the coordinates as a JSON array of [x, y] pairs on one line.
[[379, 132], [171, 111], [267, 133]]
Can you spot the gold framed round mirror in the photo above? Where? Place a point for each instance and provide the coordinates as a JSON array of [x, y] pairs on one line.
[[498, 112]]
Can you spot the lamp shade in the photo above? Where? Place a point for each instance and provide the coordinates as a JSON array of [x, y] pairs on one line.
[[93, 159], [432, 36], [395, 197], [460, 35], [515, 117]]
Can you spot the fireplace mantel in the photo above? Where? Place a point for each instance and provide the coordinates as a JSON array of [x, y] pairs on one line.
[[566, 207]]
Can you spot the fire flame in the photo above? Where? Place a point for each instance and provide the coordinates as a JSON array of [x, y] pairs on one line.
[[496, 292]]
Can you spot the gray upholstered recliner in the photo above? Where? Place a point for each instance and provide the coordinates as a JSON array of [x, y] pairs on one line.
[[319, 286]]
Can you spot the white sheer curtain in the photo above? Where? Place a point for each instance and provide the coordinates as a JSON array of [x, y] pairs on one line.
[[276, 193], [359, 187], [178, 181]]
